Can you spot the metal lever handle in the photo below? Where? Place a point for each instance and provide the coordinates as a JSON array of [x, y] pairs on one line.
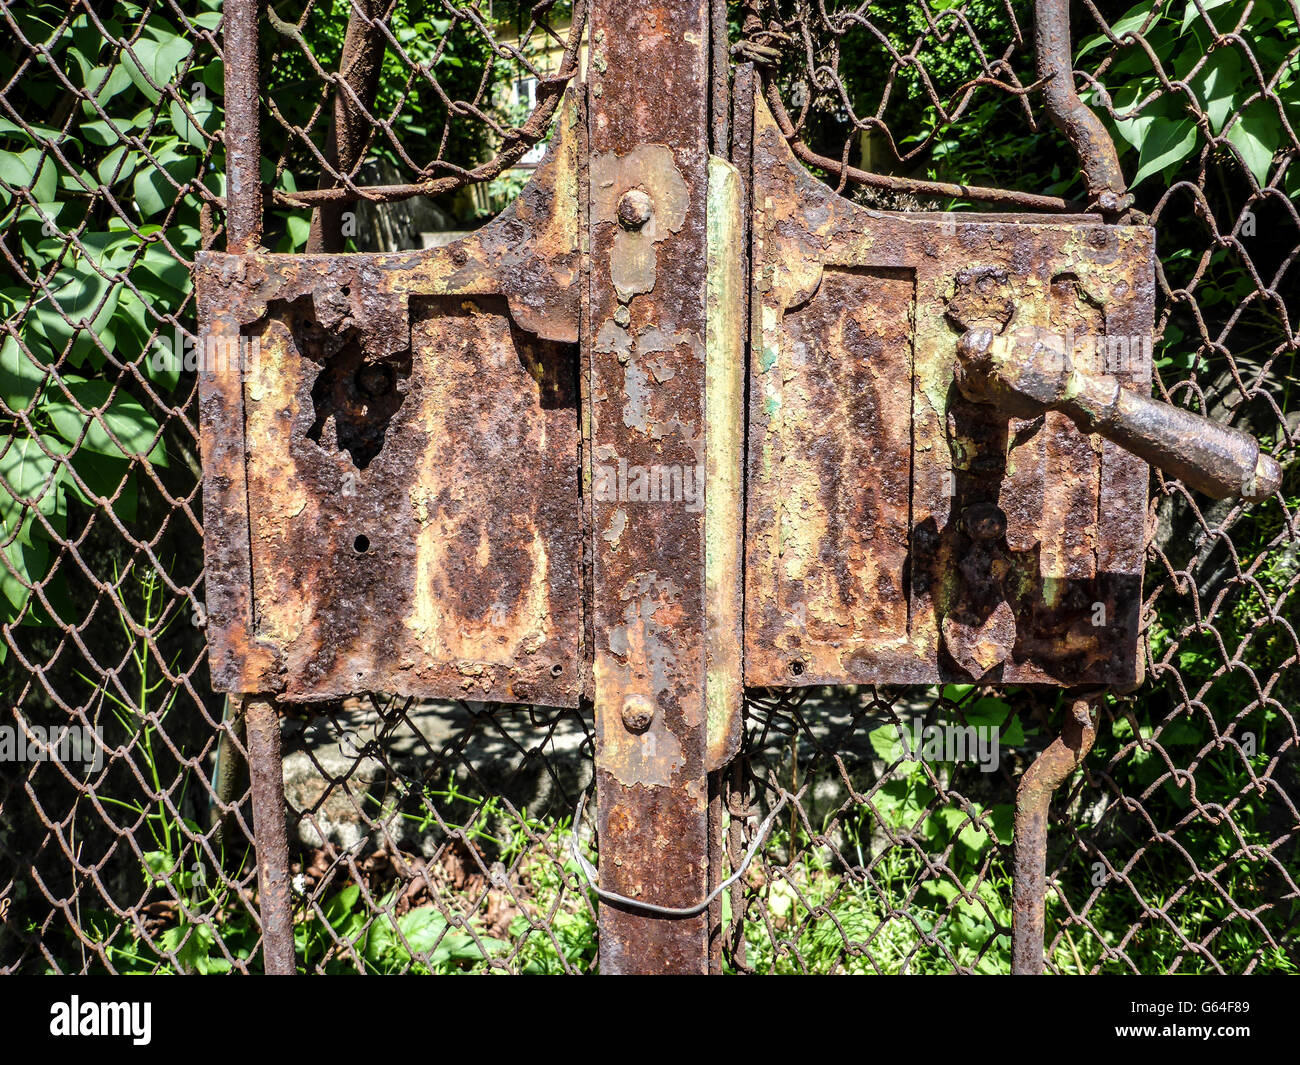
[[1027, 373]]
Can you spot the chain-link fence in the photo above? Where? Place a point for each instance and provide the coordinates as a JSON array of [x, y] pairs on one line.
[[439, 837]]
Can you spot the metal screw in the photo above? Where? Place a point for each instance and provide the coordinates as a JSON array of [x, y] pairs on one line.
[[634, 209], [638, 712]]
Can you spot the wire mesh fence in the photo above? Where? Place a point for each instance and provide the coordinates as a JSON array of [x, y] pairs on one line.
[[441, 837]]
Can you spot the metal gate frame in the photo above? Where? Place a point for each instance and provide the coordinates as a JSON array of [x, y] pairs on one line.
[[658, 112]]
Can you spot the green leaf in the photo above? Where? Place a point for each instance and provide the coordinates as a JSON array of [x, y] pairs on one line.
[[26, 559], [969, 832], [81, 304], [422, 927], [118, 165], [205, 121], [1257, 134], [158, 58], [106, 478], [158, 865], [987, 711], [31, 480], [1132, 125], [48, 133], [1222, 23], [1167, 143], [109, 251], [30, 170], [101, 133], [1131, 21], [154, 192], [1217, 86], [20, 376], [342, 915], [133, 426], [299, 229], [105, 83], [166, 268], [887, 743]]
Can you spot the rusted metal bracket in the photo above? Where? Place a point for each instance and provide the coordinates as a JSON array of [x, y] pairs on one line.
[[896, 532], [377, 515]]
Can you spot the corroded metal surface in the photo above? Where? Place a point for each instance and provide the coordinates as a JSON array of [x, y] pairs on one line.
[[266, 773], [243, 132], [395, 471], [1098, 160], [1033, 803], [648, 125], [724, 405], [897, 532], [1027, 373]]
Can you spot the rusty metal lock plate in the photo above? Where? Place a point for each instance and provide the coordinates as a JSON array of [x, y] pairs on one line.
[[392, 497], [897, 533]]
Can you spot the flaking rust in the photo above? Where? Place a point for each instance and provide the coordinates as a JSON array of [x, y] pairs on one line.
[[897, 532], [647, 360], [392, 483]]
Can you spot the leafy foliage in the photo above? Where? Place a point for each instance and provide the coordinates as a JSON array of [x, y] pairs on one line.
[[100, 207], [1215, 73]]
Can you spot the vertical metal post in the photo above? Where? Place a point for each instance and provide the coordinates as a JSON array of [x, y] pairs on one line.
[[266, 770], [1029, 845], [241, 20], [1097, 156], [354, 97], [648, 95], [240, 25]]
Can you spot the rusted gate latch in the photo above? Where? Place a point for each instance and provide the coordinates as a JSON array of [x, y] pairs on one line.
[[520, 467]]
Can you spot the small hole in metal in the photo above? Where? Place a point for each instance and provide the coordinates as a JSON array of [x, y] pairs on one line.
[[346, 290], [361, 544], [556, 670], [796, 668]]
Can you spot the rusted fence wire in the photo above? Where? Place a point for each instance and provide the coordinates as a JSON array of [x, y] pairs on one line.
[[438, 837]]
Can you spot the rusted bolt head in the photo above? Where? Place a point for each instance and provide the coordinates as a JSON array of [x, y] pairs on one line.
[[375, 379], [634, 209], [984, 521], [638, 712]]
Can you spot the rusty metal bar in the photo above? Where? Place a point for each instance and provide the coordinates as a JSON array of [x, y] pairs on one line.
[[550, 90], [1107, 190], [717, 784], [1033, 800], [893, 183], [266, 770], [1029, 371], [350, 132], [649, 127], [720, 78], [243, 137], [228, 776]]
